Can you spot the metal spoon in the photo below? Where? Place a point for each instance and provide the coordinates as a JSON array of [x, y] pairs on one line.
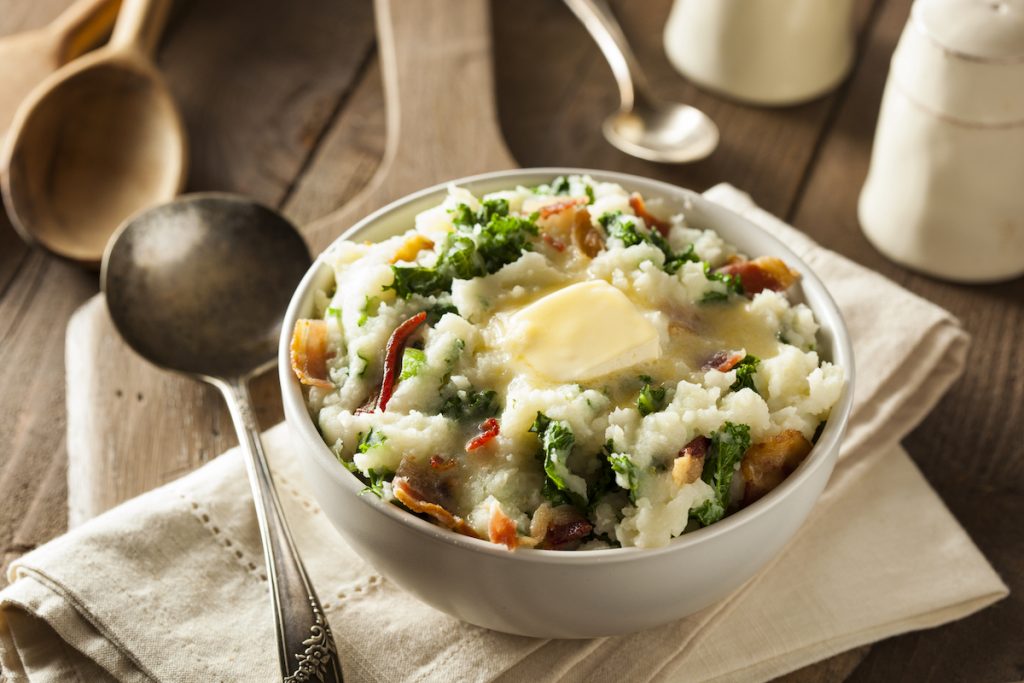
[[199, 285], [644, 126]]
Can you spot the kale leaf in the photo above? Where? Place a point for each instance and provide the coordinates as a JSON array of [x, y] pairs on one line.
[[651, 399], [727, 448], [621, 464], [413, 361], [745, 371], [482, 243], [471, 405], [557, 440], [733, 285], [624, 228]]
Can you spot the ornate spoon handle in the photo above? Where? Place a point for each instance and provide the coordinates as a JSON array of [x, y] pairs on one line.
[[305, 645]]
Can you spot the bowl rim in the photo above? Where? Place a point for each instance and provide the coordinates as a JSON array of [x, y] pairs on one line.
[[823, 453]]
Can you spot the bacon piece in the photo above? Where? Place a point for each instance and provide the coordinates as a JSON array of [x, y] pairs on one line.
[[636, 202], [723, 361], [502, 529], [408, 498], [393, 357], [560, 206], [411, 247], [489, 429], [765, 465], [585, 237], [688, 465], [309, 353], [556, 244], [441, 464], [566, 529], [764, 272]]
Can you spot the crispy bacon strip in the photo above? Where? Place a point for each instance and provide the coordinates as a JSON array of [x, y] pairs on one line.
[[566, 529], [441, 464], [723, 361], [502, 529], [309, 353], [765, 465], [558, 207], [407, 496], [585, 237], [688, 465], [764, 272], [636, 202], [489, 429], [393, 357], [556, 244], [411, 247]]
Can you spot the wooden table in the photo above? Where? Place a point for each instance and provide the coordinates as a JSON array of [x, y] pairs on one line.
[[283, 102]]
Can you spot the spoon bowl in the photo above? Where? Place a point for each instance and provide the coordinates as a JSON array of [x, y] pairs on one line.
[[96, 141], [200, 285], [673, 133]]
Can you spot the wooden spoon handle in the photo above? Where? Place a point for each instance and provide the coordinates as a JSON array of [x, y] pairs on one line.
[[139, 25], [442, 120], [83, 26]]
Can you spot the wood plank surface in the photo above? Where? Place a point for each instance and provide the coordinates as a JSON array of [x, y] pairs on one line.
[[298, 123]]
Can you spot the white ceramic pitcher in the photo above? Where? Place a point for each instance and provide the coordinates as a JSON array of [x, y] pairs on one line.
[[773, 52], [945, 190]]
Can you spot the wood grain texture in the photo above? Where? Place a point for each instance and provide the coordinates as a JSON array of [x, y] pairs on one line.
[[134, 427], [805, 163]]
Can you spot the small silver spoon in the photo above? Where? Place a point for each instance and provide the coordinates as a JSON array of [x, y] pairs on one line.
[[199, 285], [645, 126]]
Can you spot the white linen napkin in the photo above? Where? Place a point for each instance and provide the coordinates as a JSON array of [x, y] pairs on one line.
[[170, 585]]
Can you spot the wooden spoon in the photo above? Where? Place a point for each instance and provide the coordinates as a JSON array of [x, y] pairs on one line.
[[29, 57], [95, 142]]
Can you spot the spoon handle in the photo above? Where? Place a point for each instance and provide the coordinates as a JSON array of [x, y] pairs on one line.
[[306, 646], [596, 16], [139, 25]]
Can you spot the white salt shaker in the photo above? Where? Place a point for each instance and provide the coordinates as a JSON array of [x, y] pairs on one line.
[[773, 52], [945, 189]]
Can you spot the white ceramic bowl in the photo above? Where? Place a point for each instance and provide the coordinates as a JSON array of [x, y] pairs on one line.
[[548, 593]]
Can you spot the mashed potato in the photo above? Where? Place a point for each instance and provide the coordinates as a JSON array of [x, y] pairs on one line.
[[556, 367]]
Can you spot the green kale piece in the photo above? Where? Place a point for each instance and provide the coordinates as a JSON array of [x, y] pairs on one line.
[[745, 371], [727, 448], [621, 463], [560, 185], [557, 440], [733, 285], [624, 228], [376, 482], [369, 309], [482, 243], [372, 439], [471, 405], [651, 399], [413, 360], [437, 311], [590, 194]]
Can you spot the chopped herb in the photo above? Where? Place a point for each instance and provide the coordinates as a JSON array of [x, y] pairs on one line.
[[733, 285], [334, 312], [727, 448], [377, 479], [437, 311], [471, 405], [560, 185], [624, 229], [413, 361], [366, 365], [557, 440], [372, 439], [368, 310], [482, 243], [745, 371], [621, 464], [590, 194], [651, 399]]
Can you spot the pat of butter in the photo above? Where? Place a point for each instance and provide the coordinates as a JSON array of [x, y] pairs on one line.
[[584, 331]]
